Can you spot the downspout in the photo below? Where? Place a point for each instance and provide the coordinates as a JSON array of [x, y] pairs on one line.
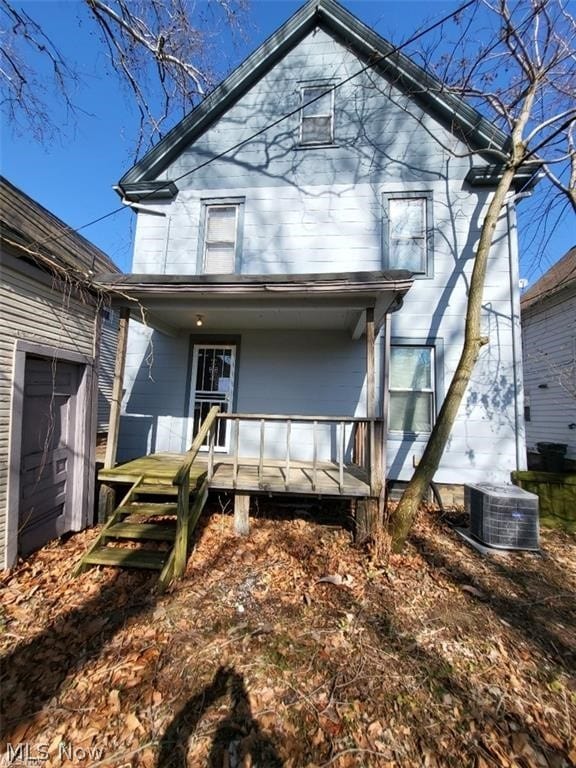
[[139, 208], [514, 287], [385, 402]]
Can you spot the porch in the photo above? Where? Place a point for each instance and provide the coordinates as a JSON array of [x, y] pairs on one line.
[[167, 491], [355, 473], [301, 342]]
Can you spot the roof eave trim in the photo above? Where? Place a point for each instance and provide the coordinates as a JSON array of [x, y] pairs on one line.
[[294, 29], [417, 81], [138, 191], [525, 178]]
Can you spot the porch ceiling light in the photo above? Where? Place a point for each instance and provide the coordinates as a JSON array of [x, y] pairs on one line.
[[199, 321]]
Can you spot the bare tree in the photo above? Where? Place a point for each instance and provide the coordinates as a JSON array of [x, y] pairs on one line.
[[524, 76], [161, 50]]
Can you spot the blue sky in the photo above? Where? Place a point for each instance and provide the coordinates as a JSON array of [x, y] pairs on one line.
[[73, 175]]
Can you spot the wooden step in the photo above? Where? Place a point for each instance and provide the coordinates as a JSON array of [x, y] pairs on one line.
[[148, 509], [127, 558], [156, 489], [142, 531]]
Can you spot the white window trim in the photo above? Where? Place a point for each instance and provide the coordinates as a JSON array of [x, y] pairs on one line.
[[425, 195], [328, 89], [238, 204], [433, 390], [232, 244]]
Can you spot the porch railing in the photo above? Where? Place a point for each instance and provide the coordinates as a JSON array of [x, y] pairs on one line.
[[364, 438]]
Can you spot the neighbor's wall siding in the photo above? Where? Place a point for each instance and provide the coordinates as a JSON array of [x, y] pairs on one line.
[[32, 311], [106, 363], [320, 210], [549, 341]]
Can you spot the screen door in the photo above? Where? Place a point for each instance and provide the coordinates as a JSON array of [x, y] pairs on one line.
[[212, 384]]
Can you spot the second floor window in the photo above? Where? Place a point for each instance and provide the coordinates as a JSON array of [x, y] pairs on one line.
[[317, 118], [220, 238], [408, 232]]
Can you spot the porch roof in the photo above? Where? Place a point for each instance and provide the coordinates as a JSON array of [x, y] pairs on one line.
[[396, 279], [316, 300]]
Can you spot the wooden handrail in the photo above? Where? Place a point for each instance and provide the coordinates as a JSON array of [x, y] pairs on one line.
[[292, 417], [191, 454], [185, 518]]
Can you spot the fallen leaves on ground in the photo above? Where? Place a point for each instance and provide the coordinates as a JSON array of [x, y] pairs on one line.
[[293, 648]]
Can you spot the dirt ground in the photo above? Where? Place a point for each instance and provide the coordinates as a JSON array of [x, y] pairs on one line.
[[294, 648]]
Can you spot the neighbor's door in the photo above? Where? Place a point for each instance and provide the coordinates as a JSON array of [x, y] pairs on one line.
[[47, 458], [212, 384]]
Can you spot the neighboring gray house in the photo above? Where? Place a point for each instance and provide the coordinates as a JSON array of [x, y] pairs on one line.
[[294, 207], [49, 346], [549, 343]]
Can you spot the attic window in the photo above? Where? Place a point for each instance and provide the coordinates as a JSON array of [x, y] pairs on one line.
[[317, 115]]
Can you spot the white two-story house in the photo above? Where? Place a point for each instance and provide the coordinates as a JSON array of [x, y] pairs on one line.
[[303, 247]]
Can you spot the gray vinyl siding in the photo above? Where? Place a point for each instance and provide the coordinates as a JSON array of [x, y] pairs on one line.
[[376, 129], [154, 407], [33, 311], [306, 209], [549, 343], [486, 442], [320, 210], [106, 363]]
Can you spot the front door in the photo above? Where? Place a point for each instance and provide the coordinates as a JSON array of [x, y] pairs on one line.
[[212, 384], [47, 458]]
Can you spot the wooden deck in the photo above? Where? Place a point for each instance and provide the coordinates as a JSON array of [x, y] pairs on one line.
[[301, 478]]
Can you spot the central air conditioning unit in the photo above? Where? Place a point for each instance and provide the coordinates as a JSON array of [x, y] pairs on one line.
[[503, 516]]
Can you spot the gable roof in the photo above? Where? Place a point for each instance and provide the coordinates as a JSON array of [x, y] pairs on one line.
[[560, 276], [34, 229], [331, 17]]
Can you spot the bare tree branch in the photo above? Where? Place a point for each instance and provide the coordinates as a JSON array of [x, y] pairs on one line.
[[163, 51]]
